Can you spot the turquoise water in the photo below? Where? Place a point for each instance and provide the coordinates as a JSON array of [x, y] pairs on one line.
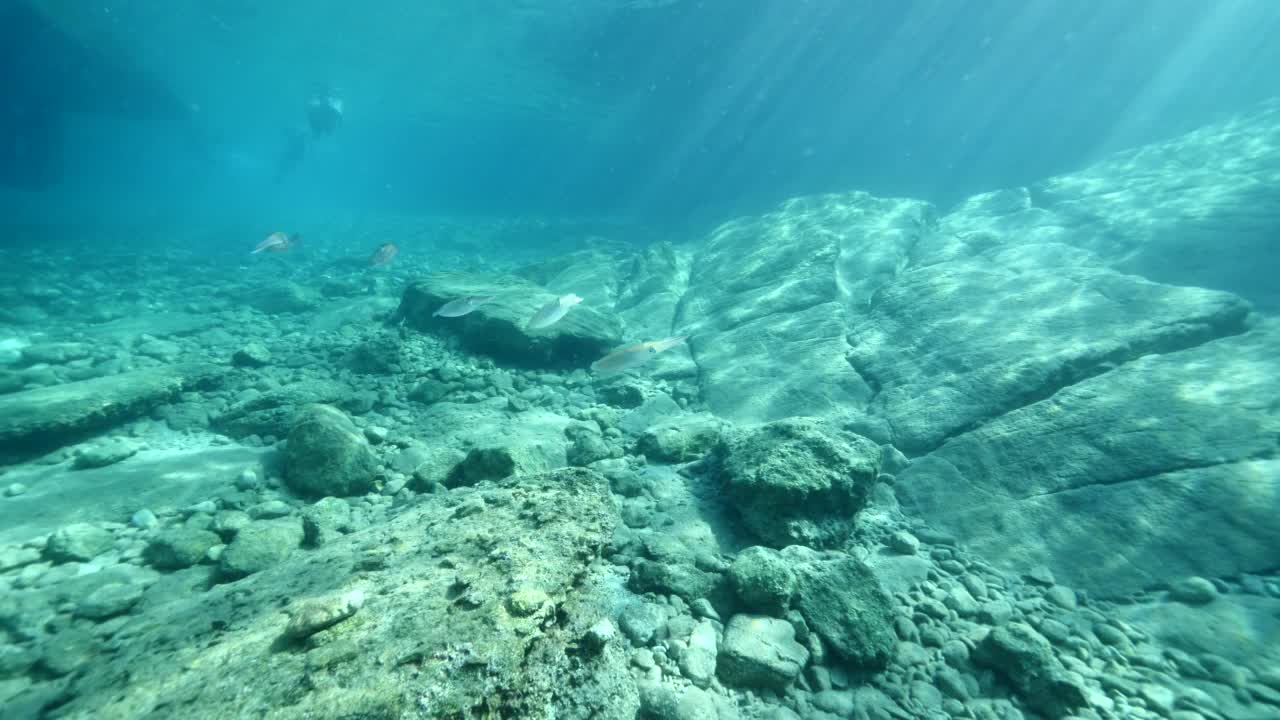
[[639, 359]]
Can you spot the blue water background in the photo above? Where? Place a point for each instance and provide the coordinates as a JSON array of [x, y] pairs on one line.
[[674, 114]]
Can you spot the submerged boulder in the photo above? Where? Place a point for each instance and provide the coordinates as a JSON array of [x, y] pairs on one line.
[[495, 463], [797, 481], [274, 412], [1026, 660], [763, 580], [1085, 481], [179, 547], [760, 652], [685, 438], [497, 328], [259, 546], [327, 455], [36, 420], [841, 599]]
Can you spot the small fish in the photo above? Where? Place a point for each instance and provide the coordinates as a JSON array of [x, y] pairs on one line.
[[462, 306], [276, 242], [551, 313], [383, 256], [633, 356]]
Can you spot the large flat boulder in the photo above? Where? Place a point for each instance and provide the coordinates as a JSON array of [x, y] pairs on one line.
[[1197, 209], [768, 303], [953, 345], [159, 324], [497, 329], [792, 363], [1163, 467], [47, 417]]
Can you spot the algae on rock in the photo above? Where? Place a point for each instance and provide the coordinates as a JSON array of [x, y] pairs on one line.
[[797, 481], [326, 455], [434, 636]]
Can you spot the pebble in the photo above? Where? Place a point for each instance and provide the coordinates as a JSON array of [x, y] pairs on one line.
[[910, 653], [109, 600], [961, 602], [252, 355], [1194, 698], [702, 608], [951, 683], [975, 585], [526, 601], [905, 629], [1224, 671], [228, 522], [248, 480], [600, 634], [640, 622], [1040, 575], [698, 661], [935, 537], [102, 453], [925, 693], [14, 489], [78, 541], [933, 609], [1253, 585], [13, 557], [904, 543], [1062, 596], [144, 519], [836, 702], [642, 658], [1055, 631], [1193, 591], [819, 677], [207, 507], [695, 704], [1110, 635], [934, 635], [1270, 677], [270, 509], [955, 653], [1158, 697]]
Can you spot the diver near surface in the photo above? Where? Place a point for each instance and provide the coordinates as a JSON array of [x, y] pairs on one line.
[[324, 116], [324, 113]]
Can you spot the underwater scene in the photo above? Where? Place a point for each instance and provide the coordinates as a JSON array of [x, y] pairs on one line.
[[640, 359]]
